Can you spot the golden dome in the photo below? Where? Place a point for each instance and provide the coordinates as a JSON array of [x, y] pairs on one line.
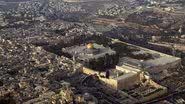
[[90, 46]]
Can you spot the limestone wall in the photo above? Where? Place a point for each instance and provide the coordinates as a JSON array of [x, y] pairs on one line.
[[127, 69], [122, 82], [128, 80], [112, 83]]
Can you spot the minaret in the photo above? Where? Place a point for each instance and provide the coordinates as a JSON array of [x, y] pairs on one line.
[[180, 30], [173, 50]]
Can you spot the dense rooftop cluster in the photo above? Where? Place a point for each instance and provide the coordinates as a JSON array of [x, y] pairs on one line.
[[33, 33], [28, 71]]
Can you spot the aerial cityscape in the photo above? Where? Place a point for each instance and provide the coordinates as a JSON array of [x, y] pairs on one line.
[[92, 51]]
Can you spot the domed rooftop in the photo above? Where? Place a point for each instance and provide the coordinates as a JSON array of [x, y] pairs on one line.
[[90, 46]]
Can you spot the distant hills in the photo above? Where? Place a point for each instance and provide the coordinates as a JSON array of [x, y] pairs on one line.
[[83, 0], [14, 0]]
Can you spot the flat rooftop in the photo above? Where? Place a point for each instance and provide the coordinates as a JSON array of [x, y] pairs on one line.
[[146, 63], [144, 58], [114, 74]]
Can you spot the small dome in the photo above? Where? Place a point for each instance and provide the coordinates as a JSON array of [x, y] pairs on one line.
[[90, 46]]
